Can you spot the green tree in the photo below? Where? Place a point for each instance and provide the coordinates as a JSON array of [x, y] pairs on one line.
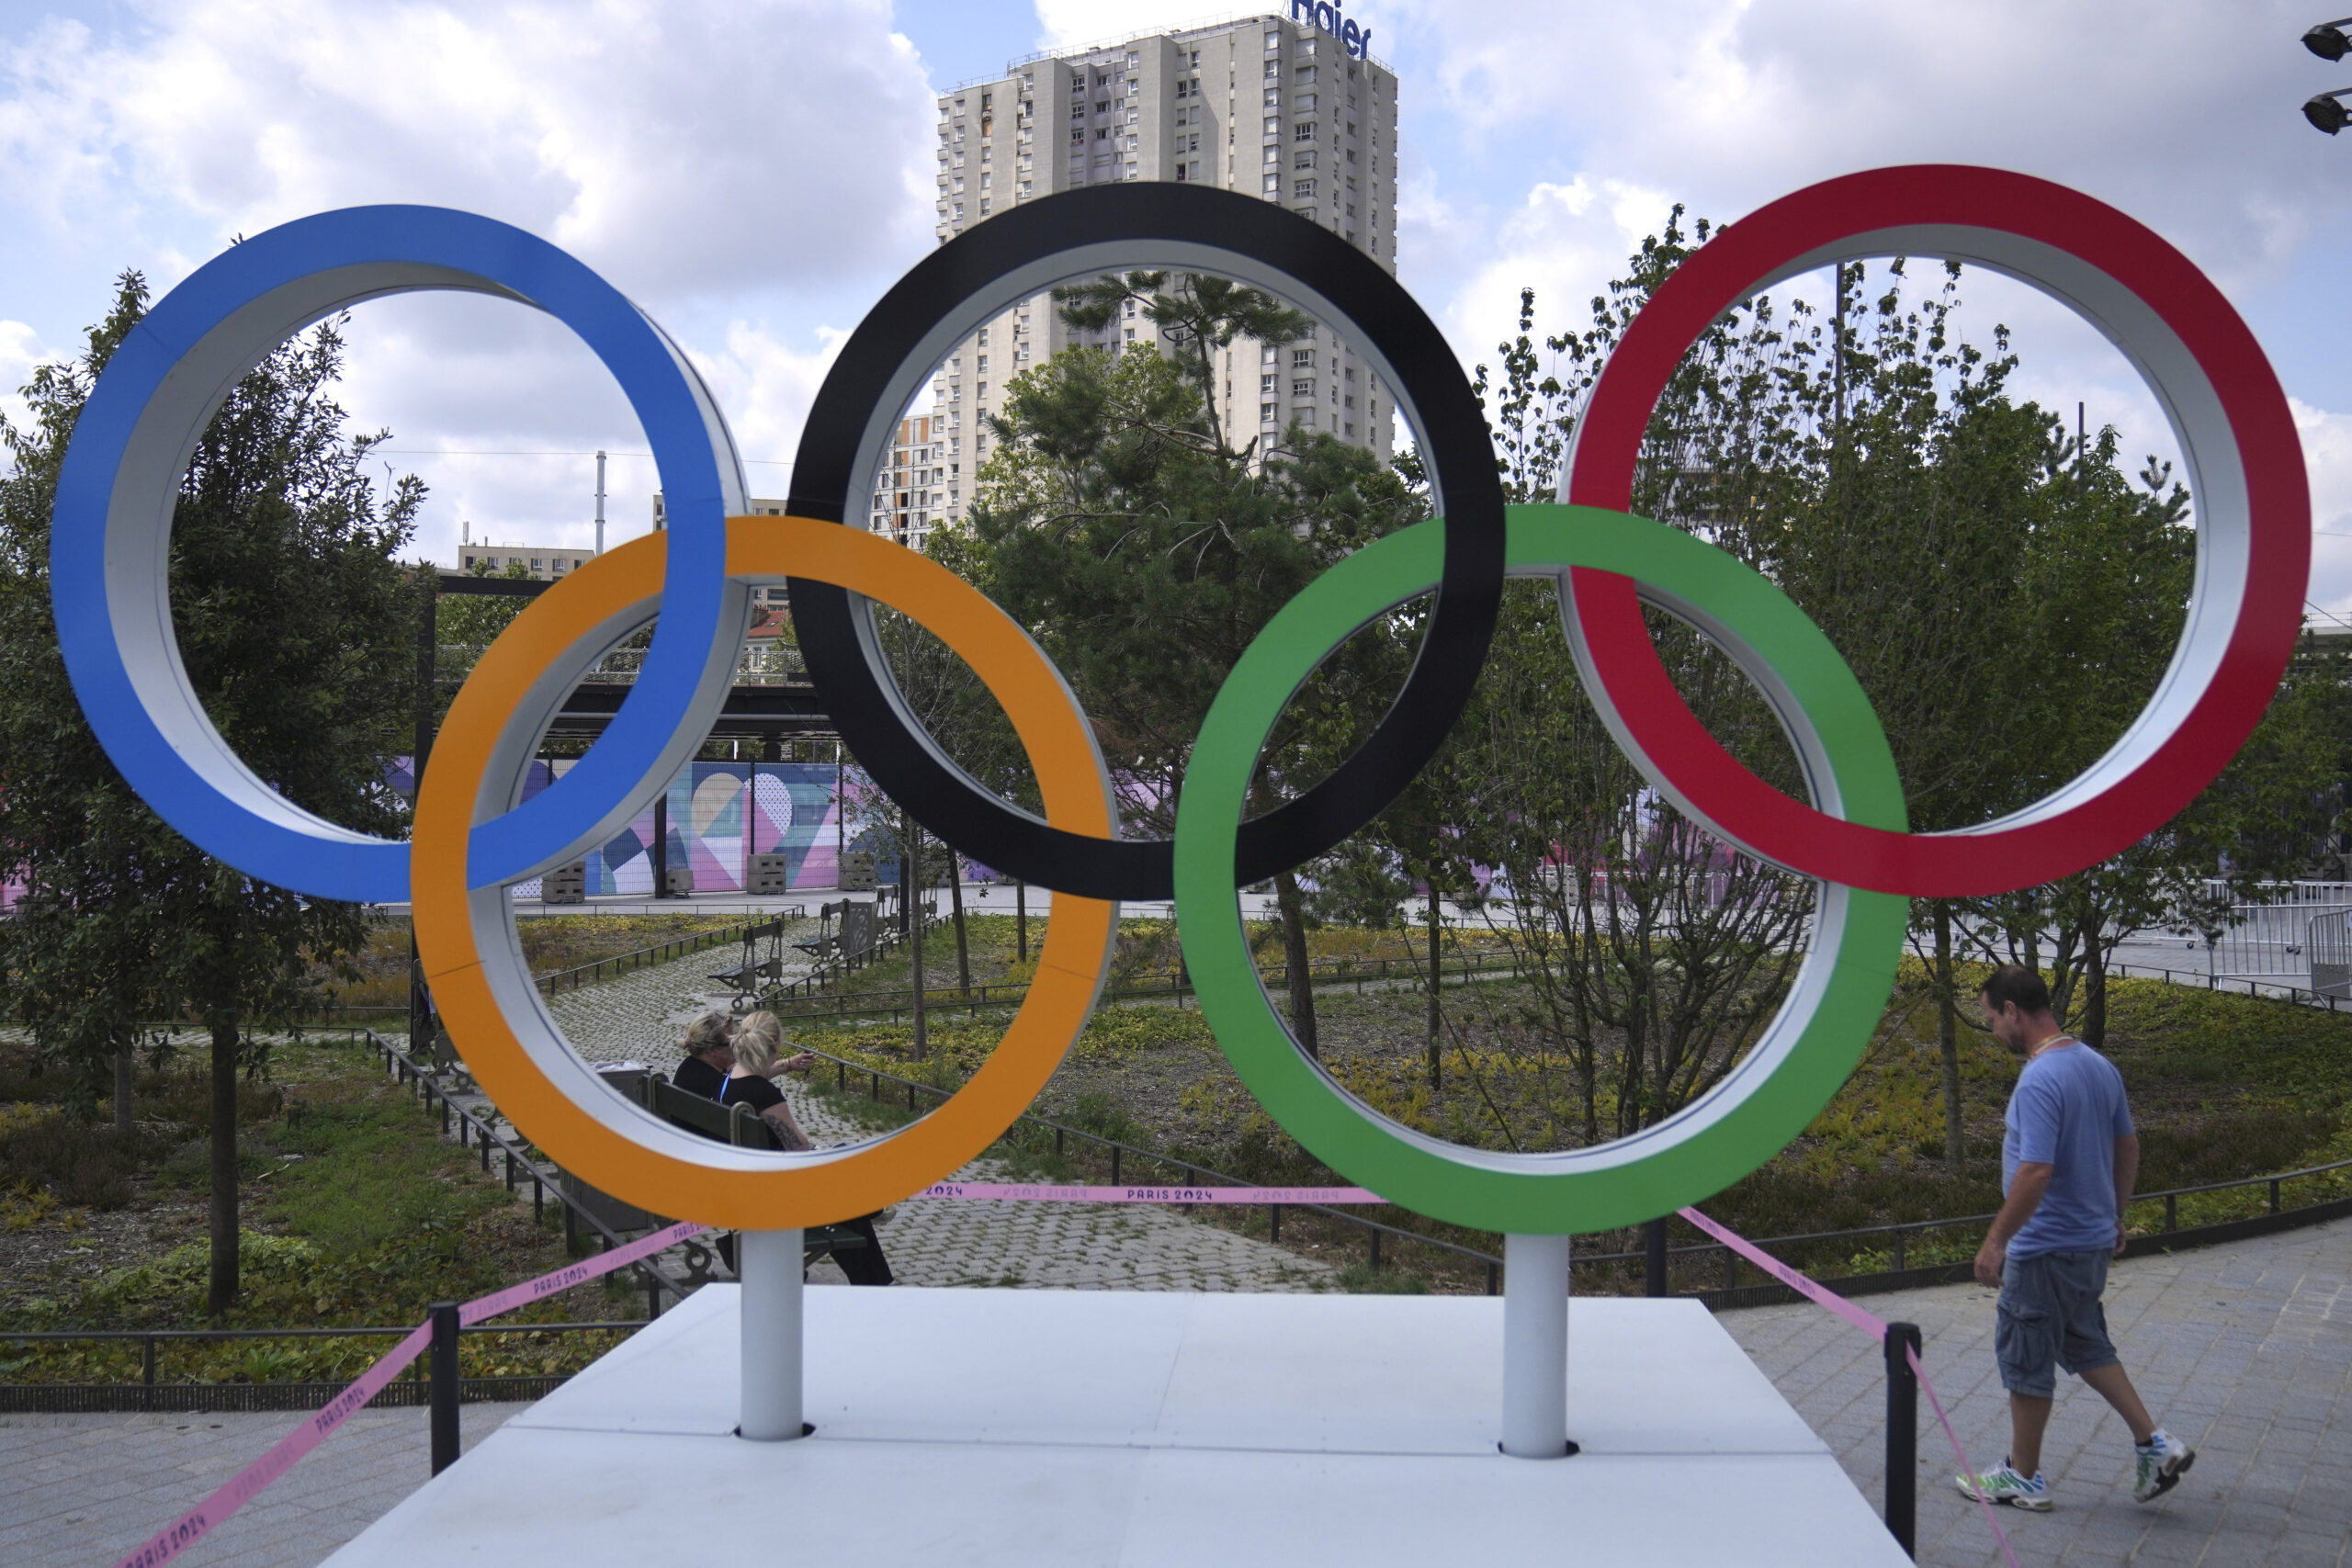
[[295, 625], [1144, 548], [2006, 594]]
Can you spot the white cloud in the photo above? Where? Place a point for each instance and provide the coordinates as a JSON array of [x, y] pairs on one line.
[[725, 162], [20, 350], [680, 148], [2182, 114], [1564, 241], [2327, 454], [767, 385], [1064, 24]]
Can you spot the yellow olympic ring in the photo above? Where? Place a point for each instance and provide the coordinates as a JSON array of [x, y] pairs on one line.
[[472, 959]]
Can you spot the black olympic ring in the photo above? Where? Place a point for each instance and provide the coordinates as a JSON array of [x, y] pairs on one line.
[[1081, 234]]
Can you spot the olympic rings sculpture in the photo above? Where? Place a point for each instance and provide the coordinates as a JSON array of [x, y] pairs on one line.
[[473, 836]]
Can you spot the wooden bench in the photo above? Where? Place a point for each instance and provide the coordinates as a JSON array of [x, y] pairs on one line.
[[745, 1128]]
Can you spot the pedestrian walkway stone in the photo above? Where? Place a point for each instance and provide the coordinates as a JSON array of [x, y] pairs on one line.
[[639, 1016], [85, 1491], [2244, 1351]]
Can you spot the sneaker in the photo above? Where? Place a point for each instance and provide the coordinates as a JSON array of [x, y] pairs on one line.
[[2163, 1461], [2007, 1486]]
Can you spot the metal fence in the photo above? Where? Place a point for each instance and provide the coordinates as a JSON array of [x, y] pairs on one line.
[[151, 1392]]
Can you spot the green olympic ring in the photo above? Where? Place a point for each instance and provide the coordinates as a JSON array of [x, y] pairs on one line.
[[1777, 1087]]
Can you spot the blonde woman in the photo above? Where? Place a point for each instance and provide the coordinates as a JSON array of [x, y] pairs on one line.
[[758, 1040], [756, 1043]]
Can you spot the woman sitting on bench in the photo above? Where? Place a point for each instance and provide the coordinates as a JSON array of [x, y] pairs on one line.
[[756, 1064], [757, 1040]]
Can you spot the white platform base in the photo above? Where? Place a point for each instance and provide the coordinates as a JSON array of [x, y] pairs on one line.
[[1037, 1428]]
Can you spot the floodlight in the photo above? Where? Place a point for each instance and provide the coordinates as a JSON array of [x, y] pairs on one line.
[[2327, 111], [2328, 40]]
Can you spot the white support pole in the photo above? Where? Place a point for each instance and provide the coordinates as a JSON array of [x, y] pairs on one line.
[[600, 504], [770, 1262], [1535, 1347]]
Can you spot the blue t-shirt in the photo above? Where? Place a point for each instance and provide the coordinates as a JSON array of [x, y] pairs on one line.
[[2066, 1113]]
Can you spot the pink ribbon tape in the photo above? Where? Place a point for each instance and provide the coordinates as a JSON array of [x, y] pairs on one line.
[[989, 1193], [1822, 1295], [248, 1483]]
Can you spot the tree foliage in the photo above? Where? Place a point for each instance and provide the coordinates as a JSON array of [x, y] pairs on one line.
[[295, 625], [1145, 548]]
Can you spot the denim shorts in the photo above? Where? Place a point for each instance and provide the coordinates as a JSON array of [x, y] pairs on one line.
[[2050, 1316]]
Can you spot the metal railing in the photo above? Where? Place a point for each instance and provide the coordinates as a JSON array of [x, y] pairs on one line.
[[153, 1393], [519, 1166], [803, 997], [661, 953], [1193, 1172], [1897, 1235], [2253, 985]]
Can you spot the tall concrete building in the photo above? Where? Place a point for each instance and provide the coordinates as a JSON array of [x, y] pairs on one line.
[[1273, 105]]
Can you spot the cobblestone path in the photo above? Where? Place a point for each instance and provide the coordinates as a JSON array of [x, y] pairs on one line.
[[639, 1017], [2245, 1350], [2242, 1351]]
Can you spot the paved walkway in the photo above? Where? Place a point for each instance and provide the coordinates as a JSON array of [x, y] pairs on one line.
[[83, 1491], [640, 1015], [2245, 1350]]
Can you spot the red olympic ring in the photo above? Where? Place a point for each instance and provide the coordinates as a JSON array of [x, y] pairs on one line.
[[2246, 475]]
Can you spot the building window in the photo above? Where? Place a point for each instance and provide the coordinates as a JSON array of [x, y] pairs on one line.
[[1302, 188], [1302, 389], [1304, 103], [1265, 384], [1274, 185], [1273, 40], [1302, 358], [1305, 416], [1302, 132], [1266, 413], [1301, 159], [1274, 98]]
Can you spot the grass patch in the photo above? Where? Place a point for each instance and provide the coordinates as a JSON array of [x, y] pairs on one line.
[[358, 1213]]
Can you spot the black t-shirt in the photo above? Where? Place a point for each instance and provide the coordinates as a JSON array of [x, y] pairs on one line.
[[753, 1090], [699, 1077]]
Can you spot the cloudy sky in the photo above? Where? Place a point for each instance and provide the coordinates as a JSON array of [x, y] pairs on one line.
[[756, 171]]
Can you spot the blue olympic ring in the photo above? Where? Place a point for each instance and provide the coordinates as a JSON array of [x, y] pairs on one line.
[[111, 536]]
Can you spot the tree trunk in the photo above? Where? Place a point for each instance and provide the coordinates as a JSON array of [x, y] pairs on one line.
[[1437, 1054], [1302, 981], [223, 1290], [2094, 1031], [1948, 1038], [123, 1063], [1021, 922], [963, 952], [910, 881]]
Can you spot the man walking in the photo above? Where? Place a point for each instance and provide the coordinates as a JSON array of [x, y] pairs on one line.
[[2068, 1159]]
